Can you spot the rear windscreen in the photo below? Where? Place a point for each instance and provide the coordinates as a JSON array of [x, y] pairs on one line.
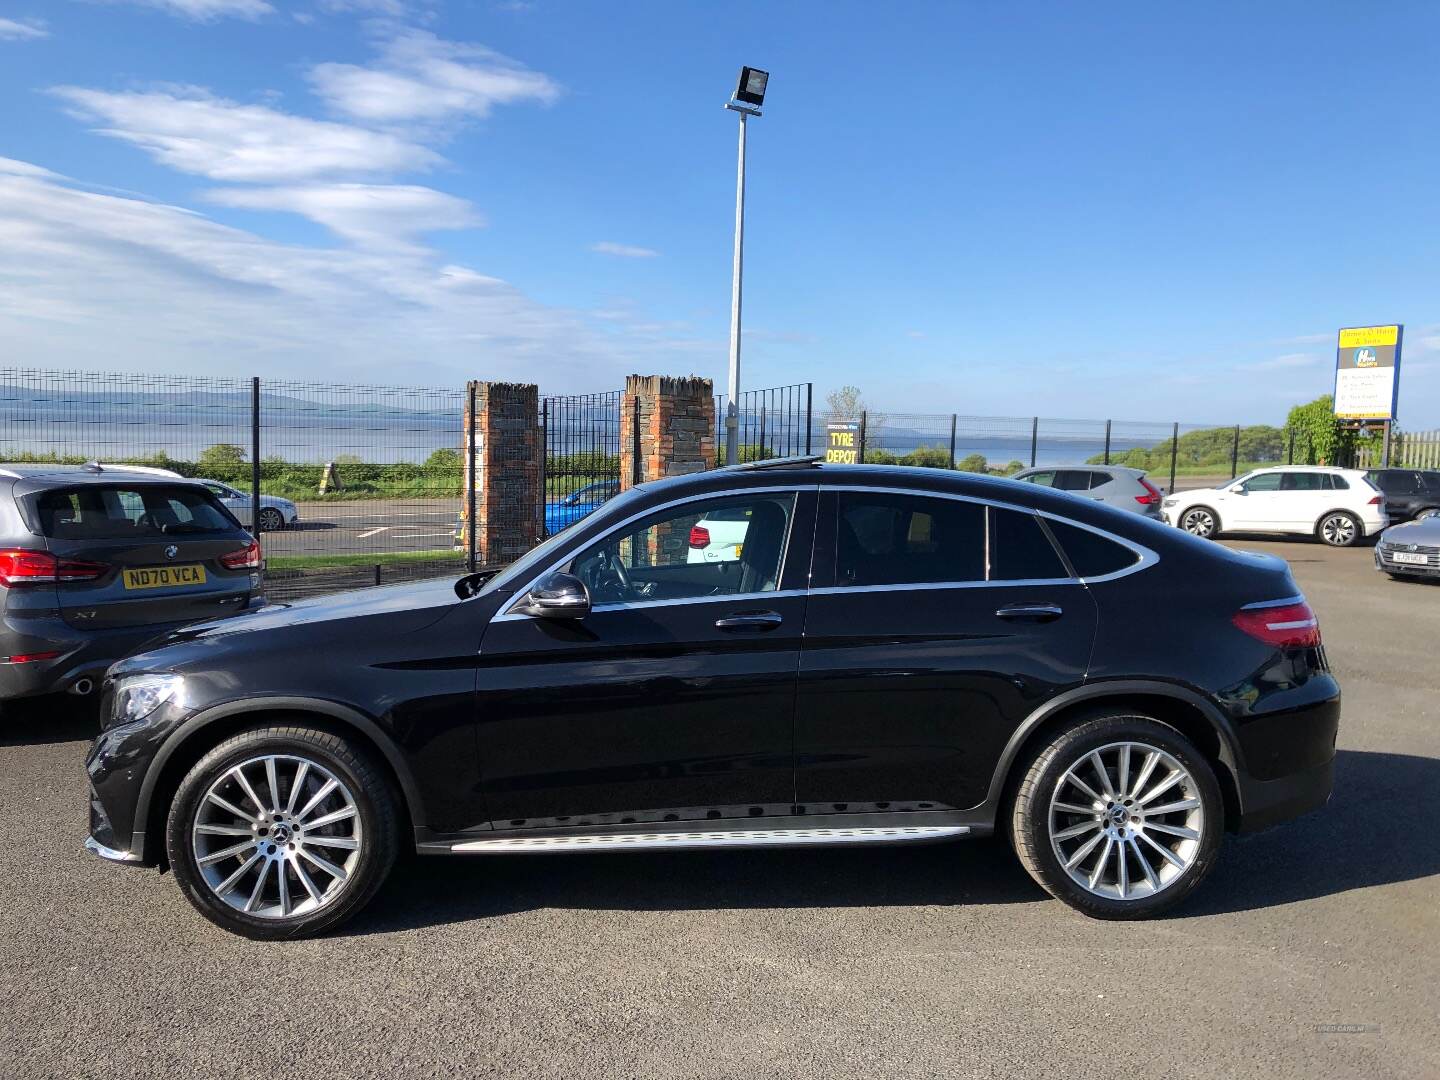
[[129, 513]]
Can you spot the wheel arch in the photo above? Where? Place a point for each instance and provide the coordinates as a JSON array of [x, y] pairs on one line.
[[1347, 511], [208, 728], [1194, 717]]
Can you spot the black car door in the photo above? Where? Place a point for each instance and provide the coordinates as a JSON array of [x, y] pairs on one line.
[[940, 625], [673, 699]]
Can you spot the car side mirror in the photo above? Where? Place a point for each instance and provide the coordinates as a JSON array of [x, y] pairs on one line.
[[557, 596], [1239, 489]]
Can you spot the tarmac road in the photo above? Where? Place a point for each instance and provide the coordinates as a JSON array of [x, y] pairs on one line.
[[940, 961]]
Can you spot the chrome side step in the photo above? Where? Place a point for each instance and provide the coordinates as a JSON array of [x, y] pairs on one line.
[[734, 838]]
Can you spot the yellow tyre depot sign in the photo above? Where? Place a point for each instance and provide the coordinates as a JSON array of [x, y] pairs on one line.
[[1367, 372]]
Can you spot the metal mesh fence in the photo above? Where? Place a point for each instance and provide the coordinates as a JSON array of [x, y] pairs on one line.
[[374, 475], [364, 485]]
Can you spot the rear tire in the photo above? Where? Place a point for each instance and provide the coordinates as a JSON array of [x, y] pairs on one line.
[[1099, 844], [1201, 521], [282, 832], [271, 520], [1339, 528]]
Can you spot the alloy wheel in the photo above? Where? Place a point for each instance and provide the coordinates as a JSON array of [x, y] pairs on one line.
[[1338, 530], [277, 836], [1199, 522], [271, 520], [1126, 821]]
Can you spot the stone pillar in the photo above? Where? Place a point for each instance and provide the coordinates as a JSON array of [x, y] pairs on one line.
[[503, 451], [667, 428]]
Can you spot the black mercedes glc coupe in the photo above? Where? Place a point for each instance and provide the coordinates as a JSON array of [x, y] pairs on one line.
[[788, 653]]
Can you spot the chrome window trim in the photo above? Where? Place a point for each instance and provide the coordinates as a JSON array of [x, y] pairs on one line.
[[1260, 605], [783, 489], [1145, 557]]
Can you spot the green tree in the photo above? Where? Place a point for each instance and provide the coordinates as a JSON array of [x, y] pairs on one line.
[[1319, 438], [880, 457], [222, 454], [1012, 467], [444, 458], [973, 463]]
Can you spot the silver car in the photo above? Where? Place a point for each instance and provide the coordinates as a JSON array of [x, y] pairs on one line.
[[1411, 549], [1114, 485], [275, 513]]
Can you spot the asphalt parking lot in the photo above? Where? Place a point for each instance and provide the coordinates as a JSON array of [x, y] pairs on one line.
[[1313, 950]]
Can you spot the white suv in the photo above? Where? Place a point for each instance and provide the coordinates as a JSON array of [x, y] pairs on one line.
[[1339, 506]]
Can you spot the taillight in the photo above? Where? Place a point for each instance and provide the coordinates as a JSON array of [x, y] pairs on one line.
[[1376, 501], [19, 568], [1152, 496], [247, 558], [699, 536], [29, 657], [1282, 625]]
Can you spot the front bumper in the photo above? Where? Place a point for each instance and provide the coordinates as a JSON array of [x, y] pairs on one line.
[[1386, 563], [110, 854]]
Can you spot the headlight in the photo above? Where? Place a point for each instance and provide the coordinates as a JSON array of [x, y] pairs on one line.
[[138, 696]]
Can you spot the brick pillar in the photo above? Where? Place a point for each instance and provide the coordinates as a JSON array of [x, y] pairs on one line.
[[667, 428], [508, 443]]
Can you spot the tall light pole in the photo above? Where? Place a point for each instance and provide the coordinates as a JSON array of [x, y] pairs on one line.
[[748, 97]]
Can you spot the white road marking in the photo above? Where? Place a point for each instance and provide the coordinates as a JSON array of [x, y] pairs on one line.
[[372, 532]]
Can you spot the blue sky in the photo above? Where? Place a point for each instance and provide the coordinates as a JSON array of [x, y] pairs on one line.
[[1141, 211]]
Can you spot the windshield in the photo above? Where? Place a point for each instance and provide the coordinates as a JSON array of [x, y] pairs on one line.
[[520, 570]]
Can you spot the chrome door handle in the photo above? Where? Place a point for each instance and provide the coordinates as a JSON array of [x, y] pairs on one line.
[[1031, 612], [753, 622]]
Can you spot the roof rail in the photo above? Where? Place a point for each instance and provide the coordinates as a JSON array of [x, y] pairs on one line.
[[800, 461]]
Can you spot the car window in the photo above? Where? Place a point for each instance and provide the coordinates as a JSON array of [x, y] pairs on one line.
[[1091, 554], [1044, 479], [1432, 482], [1397, 483], [1263, 482], [115, 513], [907, 539], [1337, 483], [707, 547], [1099, 478], [1020, 550], [1302, 481], [1072, 480]]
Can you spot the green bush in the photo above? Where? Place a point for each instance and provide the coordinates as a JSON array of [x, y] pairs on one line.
[[973, 463], [930, 457]]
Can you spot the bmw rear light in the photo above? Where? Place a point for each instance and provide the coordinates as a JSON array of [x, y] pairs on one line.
[[1376, 501], [699, 536], [247, 558], [1288, 625], [1152, 495], [19, 568]]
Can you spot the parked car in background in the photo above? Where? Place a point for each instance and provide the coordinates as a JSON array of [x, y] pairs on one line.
[[1412, 548], [1408, 492], [719, 536], [96, 561], [1115, 485], [563, 512], [275, 513], [898, 656], [1339, 507]]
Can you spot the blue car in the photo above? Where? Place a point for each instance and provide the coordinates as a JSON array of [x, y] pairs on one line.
[[562, 513]]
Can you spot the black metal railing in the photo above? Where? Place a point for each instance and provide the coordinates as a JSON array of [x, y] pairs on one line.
[[773, 423]]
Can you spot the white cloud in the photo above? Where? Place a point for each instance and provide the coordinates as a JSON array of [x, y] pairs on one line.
[[194, 132], [22, 29], [374, 7], [368, 215], [93, 280], [207, 9], [625, 251], [420, 77]]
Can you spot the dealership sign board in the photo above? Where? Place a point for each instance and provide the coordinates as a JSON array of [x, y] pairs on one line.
[[1367, 372], [842, 442]]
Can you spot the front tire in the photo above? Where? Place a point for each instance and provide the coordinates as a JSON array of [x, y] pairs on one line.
[[282, 832], [1119, 817], [1339, 529], [1200, 521]]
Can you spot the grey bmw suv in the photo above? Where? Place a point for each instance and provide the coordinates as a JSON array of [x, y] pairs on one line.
[[95, 561], [1115, 485]]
